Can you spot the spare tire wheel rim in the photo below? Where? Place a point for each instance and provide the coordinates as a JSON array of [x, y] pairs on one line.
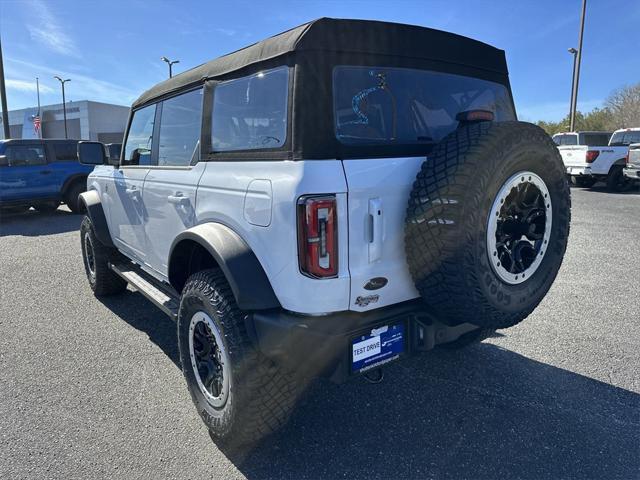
[[209, 359], [519, 227]]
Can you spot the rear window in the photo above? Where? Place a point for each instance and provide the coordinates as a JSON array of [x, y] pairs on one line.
[[65, 152], [566, 139], [375, 105], [625, 138]]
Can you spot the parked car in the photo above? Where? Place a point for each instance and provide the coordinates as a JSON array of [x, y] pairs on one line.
[[587, 163], [41, 174], [324, 202], [632, 166]]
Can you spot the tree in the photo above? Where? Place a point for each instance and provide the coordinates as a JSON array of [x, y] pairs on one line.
[[624, 105]]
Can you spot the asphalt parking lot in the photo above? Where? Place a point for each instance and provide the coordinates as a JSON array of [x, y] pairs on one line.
[[93, 389]]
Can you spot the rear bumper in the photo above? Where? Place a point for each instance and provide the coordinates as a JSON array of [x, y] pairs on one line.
[[632, 172], [579, 171], [320, 345]]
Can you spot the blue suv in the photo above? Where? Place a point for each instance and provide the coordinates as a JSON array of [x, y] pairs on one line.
[[41, 174]]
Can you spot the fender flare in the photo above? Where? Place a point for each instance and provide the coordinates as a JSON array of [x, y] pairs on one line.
[[242, 269], [93, 204]]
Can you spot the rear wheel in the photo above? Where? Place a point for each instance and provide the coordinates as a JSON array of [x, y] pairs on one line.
[[487, 223], [72, 197], [616, 180], [240, 395]]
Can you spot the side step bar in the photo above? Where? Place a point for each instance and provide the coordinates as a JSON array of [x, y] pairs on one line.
[[162, 298]]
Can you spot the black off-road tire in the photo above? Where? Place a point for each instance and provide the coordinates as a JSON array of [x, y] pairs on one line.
[[46, 207], [72, 197], [102, 280], [261, 395], [469, 338], [447, 222], [616, 180]]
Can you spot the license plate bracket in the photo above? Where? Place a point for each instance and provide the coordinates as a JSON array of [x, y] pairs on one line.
[[378, 346]]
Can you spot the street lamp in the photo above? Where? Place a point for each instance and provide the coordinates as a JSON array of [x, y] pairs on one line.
[[572, 113], [577, 56], [170, 63], [64, 103]]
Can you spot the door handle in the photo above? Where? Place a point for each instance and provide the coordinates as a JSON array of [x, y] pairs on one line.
[[46, 172], [132, 192], [375, 238], [178, 199]]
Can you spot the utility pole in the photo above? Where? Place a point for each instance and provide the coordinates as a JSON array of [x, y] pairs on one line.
[[64, 103], [576, 69], [170, 63], [3, 98]]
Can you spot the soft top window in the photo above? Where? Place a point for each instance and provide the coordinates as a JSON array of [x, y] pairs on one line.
[[405, 106], [251, 112]]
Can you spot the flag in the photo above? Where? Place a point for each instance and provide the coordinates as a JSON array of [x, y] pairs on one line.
[[36, 124]]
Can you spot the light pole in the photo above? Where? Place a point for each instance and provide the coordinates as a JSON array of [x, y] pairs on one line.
[[170, 63], [64, 103], [573, 52], [576, 70], [3, 100]]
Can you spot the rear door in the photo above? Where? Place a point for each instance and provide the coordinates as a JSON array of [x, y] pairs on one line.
[[123, 194], [412, 110], [169, 194]]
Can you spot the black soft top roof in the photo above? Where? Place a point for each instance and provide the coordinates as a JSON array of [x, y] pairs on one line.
[[331, 37]]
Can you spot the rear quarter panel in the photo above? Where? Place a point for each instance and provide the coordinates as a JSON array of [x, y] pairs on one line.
[[228, 194]]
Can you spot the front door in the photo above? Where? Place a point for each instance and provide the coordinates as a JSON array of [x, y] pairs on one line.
[[126, 209], [169, 194], [26, 173]]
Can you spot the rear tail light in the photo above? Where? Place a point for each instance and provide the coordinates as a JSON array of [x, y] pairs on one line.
[[626, 159], [592, 155], [318, 236]]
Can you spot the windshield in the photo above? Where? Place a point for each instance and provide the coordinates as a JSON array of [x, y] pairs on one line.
[[625, 138], [404, 106]]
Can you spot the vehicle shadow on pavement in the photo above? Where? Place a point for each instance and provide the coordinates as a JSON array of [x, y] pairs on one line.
[[138, 312], [484, 412], [602, 188], [34, 224]]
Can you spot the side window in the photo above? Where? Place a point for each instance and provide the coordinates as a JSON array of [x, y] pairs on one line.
[[65, 152], [180, 123], [251, 112], [25, 155], [138, 147]]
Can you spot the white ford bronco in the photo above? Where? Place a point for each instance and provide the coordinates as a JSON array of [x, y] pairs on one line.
[[321, 203]]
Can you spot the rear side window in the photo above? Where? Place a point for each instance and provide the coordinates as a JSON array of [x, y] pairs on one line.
[[65, 152], [138, 144], [567, 139], [25, 155], [386, 106], [180, 123], [251, 112], [595, 139]]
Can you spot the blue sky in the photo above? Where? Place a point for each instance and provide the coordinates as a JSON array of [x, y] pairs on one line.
[[111, 49]]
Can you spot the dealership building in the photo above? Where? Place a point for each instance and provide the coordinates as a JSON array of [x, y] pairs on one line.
[[86, 120]]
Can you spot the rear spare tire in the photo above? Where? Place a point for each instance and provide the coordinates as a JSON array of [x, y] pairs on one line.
[[487, 223]]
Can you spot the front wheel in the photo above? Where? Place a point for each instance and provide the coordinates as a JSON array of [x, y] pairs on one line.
[[240, 395], [96, 257]]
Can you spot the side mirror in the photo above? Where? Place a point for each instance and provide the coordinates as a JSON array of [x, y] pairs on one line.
[[91, 153], [4, 161]]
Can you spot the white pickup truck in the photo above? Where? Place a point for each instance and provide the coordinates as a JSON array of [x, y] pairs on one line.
[[588, 160], [632, 169]]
